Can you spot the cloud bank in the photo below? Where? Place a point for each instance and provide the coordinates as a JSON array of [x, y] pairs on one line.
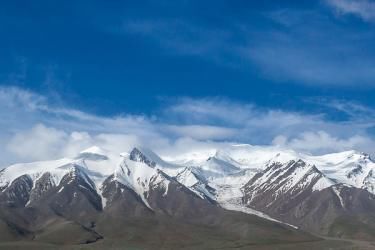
[[33, 128]]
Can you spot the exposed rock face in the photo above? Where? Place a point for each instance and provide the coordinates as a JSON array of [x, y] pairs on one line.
[[72, 212], [98, 195], [75, 197], [42, 186], [139, 156], [308, 201], [369, 181], [197, 183], [18, 192], [122, 200], [280, 186]]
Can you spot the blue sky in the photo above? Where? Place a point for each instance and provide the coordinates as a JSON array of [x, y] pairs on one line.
[[296, 73]]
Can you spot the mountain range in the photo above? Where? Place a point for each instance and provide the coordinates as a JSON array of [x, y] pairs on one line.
[[238, 196]]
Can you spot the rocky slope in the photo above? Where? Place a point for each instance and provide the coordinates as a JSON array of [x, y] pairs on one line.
[[99, 194], [300, 194]]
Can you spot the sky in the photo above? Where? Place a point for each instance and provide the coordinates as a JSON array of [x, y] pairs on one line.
[[177, 75]]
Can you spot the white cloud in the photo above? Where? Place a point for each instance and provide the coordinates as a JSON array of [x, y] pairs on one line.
[[41, 142], [280, 140], [362, 8], [35, 129], [211, 110], [202, 132], [313, 133], [322, 142], [37, 142]]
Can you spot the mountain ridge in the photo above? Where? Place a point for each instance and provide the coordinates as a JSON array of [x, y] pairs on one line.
[[277, 187]]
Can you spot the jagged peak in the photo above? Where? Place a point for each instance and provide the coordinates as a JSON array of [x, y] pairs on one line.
[[77, 173], [301, 164], [146, 156], [295, 172], [221, 155], [150, 158], [290, 163], [190, 176]]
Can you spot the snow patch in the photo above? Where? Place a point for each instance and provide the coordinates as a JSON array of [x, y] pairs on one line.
[[337, 191]]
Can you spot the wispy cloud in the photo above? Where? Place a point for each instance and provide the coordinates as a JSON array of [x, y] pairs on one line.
[[313, 49], [305, 47], [353, 110], [365, 9], [181, 36], [321, 142], [33, 128], [258, 125]]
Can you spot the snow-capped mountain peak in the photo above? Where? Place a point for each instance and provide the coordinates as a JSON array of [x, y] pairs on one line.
[[94, 150], [226, 176], [293, 177], [143, 156]]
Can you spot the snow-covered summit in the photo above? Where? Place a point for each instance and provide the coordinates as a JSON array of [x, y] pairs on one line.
[[216, 174], [94, 150], [93, 153]]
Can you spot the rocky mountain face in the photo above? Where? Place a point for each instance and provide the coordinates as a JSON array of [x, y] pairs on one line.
[[100, 195], [17, 194], [300, 194]]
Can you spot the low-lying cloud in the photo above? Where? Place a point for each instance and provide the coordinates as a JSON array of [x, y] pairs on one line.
[[33, 128]]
